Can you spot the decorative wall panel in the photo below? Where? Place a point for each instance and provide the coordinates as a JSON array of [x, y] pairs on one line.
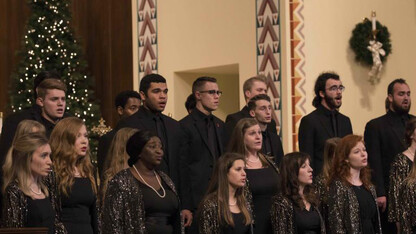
[[297, 63], [268, 52], [147, 30]]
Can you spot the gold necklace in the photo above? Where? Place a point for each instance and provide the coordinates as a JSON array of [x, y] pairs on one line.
[[410, 152], [163, 189]]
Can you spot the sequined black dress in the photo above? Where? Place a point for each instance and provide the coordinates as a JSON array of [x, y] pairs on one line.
[[124, 207], [407, 199], [399, 170], [19, 208], [286, 218], [209, 218], [344, 209]]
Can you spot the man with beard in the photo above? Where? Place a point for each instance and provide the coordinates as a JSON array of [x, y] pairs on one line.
[[325, 122], [154, 94], [261, 109], [385, 138], [205, 135]]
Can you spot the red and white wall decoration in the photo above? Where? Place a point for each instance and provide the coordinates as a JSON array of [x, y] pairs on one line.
[[268, 51], [297, 63], [147, 30]]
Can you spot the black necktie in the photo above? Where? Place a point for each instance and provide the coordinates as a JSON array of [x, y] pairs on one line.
[[211, 135], [334, 123]]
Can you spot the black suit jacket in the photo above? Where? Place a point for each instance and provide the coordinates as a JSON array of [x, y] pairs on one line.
[[384, 139], [315, 128], [276, 145], [198, 161], [143, 120], [103, 146]]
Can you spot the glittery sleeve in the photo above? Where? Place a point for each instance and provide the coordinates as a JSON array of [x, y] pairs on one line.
[[208, 220], [14, 207], [123, 207], [336, 205], [407, 205], [50, 183], [399, 170], [282, 215]]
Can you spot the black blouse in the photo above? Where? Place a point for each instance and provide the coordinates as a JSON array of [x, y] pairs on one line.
[[239, 226], [263, 184], [160, 212], [307, 221], [79, 210], [40, 213], [368, 209]]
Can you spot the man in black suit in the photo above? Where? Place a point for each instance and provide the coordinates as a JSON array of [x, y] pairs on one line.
[[385, 138], [325, 122], [154, 95], [127, 103], [205, 134], [261, 109], [251, 87]]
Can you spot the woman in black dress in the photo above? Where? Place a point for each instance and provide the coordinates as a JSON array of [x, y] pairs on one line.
[[75, 176], [225, 209], [399, 170], [116, 159], [352, 197], [142, 199], [262, 174], [27, 200], [407, 204], [295, 210]]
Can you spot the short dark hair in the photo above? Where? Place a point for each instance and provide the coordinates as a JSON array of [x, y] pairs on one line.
[[320, 86], [151, 78], [136, 143], [190, 103], [122, 98], [252, 102], [391, 85], [53, 74], [198, 83]]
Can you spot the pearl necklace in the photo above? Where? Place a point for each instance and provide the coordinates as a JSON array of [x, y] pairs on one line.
[[253, 161], [235, 203], [37, 193], [163, 189]]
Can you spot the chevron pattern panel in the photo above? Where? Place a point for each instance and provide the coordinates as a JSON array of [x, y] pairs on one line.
[[297, 63], [147, 30], [268, 51]]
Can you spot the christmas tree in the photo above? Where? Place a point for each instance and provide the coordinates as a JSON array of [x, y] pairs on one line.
[[49, 44]]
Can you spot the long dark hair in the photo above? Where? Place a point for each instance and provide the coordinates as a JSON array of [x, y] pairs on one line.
[[218, 191], [289, 170]]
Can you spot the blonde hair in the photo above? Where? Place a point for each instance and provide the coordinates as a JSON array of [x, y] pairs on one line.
[[21, 157], [64, 154], [116, 157], [24, 127]]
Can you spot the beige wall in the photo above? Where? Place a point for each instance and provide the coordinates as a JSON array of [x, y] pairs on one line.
[[195, 36], [328, 26], [203, 34]]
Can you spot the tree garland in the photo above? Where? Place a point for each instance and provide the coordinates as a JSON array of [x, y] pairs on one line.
[[361, 36]]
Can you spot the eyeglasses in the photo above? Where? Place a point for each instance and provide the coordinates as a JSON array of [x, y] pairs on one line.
[[335, 88], [212, 92]]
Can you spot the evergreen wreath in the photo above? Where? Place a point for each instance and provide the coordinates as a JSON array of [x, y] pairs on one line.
[[361, 36]]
